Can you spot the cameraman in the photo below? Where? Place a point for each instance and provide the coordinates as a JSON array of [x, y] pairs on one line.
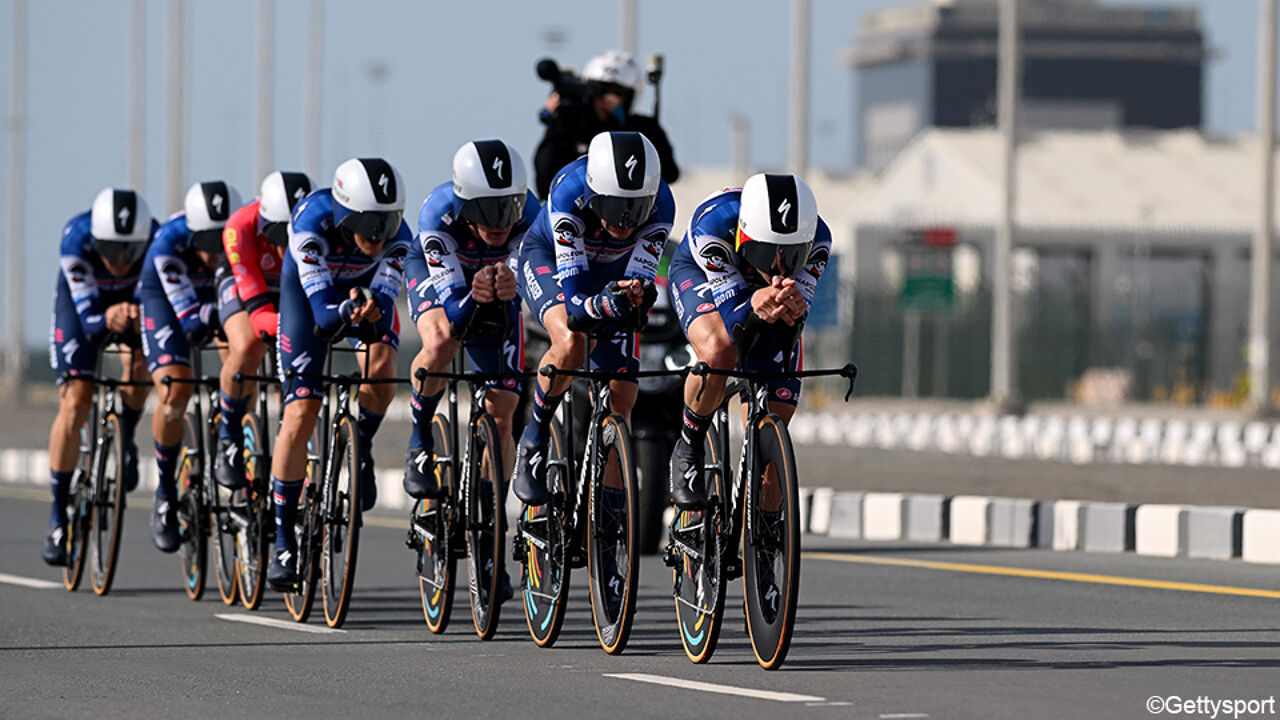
[[601, 102]]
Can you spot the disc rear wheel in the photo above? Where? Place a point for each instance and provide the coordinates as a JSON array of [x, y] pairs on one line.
[[432, 527], [612, 538], [108, 507], [250, 518], [485, 527], [699, 569], [79, 509], [192, 532], [307, 533], [546, 550], [341, 523]]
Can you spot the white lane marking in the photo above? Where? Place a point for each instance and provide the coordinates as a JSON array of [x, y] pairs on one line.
[[28, 582], [902, 716], [713, 688], [828, 704], [272, 622]]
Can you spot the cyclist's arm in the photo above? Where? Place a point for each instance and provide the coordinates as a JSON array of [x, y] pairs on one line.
[[447, 276], [807, 277], [310, 251], [181, 293], [571, 264], [729, 290], [389, 276], [651, 238]]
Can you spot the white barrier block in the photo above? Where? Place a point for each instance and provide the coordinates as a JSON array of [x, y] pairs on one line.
[[38, 466], [969, 520], [820, 511], [925, 520], [1255, 435], [806, 498], [1066, 525], [1213, 533], [802, 429], [1106, 527], [846, 515], [882, 516], [1261, 536], [859, 432], [1158, 529], [830, 430], [13, 465], [1009, 522], [391, 495]]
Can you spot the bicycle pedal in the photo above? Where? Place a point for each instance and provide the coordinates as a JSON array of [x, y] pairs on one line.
[[578, 560], [519, 552], [732, 568], [670, 557]]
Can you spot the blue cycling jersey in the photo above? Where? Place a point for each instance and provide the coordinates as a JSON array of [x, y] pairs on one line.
[[173, 269], [452, 254], [92, 287], [587, 256], [328, 265]]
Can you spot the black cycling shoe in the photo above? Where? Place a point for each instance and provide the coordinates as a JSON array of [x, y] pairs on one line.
[[228, 468], [130, 468], [55, 547], [420, 475], [164, 525], [280, 574], [687, 490], [529, 480], [368, 484], [506, 592]]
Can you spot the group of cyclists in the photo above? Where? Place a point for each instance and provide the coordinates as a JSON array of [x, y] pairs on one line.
[[302, 267]]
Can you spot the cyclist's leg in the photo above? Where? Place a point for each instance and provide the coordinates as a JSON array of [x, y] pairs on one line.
[[438, 349], [168, 356], [619, 354], [134, 399], [502, 396], [244, 354]]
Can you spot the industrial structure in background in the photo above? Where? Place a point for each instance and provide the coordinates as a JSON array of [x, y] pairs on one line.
[[1085, 66]]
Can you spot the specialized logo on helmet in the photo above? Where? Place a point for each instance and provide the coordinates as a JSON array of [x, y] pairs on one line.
[[435, 251], [631, 166], [215, 199], [126, 205], [628, 153], [716, 256], [782, 190], [382, 178]]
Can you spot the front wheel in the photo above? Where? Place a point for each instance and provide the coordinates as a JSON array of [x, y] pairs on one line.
[[341, 518], [307, 531], [485, 526], [193, 551], [771, 544], [108, 506], [612, 543]]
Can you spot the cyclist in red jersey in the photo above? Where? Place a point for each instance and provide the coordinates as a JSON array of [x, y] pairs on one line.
[[256, 238]]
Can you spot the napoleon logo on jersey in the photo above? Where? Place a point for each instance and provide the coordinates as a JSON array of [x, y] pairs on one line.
[[817, 263], [565, 232], [435, 251], [311, 252], [653, 242], [397, 256], [716, 255]]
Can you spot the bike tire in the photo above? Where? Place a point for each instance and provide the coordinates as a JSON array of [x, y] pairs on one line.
[[252, 516], [108, 507], [79, 510], [612, 539], [546, 575], [192, 534], [699, 581], [485, 527], [300, 600], [432, 522], [771, 563], [341, 527]]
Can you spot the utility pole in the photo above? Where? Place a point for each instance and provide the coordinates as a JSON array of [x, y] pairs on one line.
[[798, 118], [627, 34], [739, 149], [15, 354], [311, 98], [138, 97], [266, 87], [176, 96], [1004, 377], [1260, 263]]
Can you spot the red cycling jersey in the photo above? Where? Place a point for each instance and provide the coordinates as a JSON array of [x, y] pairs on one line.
[[256, 264]]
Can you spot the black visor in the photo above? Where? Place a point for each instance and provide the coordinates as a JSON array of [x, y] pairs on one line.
[[494, 212], [772, 259], [625, 212], [377, 226], [120, 252], [276, 233], [209, 241]]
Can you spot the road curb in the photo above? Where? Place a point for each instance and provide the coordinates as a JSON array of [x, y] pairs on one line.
[[1201, 532]]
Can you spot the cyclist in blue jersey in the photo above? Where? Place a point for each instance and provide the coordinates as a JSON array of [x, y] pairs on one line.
[[101, 259], [741, 283], [460, 278], [178, 316], [588, 264], [343, 240]]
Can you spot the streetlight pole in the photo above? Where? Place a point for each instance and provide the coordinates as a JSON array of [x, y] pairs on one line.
[[311, 98], [798, 120], [266, 87], [627, 31], [138, 97], [176, 96], [15, 357], [1260, 263], [1004, 393]]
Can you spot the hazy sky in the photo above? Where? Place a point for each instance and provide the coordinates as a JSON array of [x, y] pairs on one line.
[[458, 71]]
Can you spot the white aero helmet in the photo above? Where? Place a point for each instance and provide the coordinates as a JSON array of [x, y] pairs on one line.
[[614, 67], [208, 205], [369, 198], [120, 223], [777, 219], [489, 177], [279, 194], [623, 174]]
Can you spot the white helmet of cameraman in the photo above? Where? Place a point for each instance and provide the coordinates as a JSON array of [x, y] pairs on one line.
[[615, 67]]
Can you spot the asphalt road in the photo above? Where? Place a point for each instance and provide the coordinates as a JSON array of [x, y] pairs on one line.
[[968, 634]]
